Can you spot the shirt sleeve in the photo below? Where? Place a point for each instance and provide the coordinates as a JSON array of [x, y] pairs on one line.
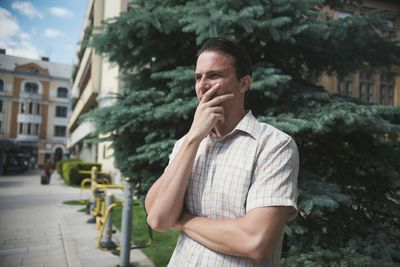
[[175, 150], [275, 178]]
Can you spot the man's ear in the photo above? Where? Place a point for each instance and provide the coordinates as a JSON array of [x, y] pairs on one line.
[[245, 83]]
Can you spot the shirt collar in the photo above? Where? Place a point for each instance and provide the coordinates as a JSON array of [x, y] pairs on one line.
[[248, 124]]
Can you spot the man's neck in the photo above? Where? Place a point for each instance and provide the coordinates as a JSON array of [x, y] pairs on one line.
[[232, 118]]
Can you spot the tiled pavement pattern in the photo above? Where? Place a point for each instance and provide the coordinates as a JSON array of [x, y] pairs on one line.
[[36, 229]]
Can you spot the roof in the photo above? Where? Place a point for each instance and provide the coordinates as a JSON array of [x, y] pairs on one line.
[[58, 70]]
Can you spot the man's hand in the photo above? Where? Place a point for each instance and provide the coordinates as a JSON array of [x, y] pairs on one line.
[[208, 113]]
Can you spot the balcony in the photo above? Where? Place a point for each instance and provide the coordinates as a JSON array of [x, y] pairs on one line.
[[29, 118], [29, 138], [86, 101], [83, 130]]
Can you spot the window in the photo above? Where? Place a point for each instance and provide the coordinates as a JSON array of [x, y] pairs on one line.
[[387, 88], [1, 130], [61, 111], [62, 92], [390, 95], [345, 88], [1, 85], [341, 88], [59, 131], [383, 94], [349, 88], [29, 128], [366, 89], [363, 91], [1, 106], [37, 109], [22, 107], [370, 95], [30, 107], [21, 128], [31, 88], [37, 129]]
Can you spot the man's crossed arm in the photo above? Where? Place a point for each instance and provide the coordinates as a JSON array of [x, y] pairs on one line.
[[254, 235]]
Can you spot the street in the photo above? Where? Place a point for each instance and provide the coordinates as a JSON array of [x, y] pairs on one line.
[[36, 229], [30, 219]]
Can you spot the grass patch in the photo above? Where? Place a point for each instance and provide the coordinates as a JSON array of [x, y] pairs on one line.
[[163, 244], [82, 202], [76, 202]]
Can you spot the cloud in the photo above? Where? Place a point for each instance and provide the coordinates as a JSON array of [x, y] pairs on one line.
[[16, 42], [24, 49], [24, 36], [53, 33], [61, 12], [9, 25], [26, 9]]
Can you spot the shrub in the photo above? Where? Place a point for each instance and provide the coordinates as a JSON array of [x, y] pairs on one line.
[[71, 171], [59, 165]]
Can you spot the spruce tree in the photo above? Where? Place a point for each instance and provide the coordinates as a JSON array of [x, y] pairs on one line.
[[349, 150]]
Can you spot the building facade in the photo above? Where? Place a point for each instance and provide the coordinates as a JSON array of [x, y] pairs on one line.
[[93, 78], [34, 106], [378, 87]]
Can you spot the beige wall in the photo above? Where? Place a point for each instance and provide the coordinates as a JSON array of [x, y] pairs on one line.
[[7, 103], [104, 79], [109, 84]]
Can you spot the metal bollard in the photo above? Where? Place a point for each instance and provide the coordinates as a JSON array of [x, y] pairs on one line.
[[92, 218], [126, 226], [106, 241]]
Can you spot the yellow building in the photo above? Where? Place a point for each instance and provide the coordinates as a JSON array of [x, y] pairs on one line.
[[381, 87], [34, 106], [93, 79]]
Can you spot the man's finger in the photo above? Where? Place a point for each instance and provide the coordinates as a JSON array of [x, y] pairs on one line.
[[210, 92], [217, 110], [219, 99]]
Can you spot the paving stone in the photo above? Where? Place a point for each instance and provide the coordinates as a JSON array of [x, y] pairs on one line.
[[11, 262], [31, 232]]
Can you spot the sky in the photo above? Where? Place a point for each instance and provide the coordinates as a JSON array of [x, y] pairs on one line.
[[42, 28]]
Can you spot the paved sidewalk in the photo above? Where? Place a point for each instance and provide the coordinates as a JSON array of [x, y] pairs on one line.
[[36, 229]]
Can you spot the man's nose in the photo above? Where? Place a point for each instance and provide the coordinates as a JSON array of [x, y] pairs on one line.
[[204, 84]]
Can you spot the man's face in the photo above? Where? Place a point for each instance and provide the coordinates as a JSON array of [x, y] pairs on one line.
[[216, 67]]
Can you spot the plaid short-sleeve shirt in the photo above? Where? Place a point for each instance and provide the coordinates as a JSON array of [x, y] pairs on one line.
[[256, 165]]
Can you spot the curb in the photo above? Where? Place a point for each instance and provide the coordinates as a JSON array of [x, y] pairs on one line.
[[69, 247]]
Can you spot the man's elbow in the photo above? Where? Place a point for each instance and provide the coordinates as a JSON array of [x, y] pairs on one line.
[[258, 256], [259, 251], [157, 224]]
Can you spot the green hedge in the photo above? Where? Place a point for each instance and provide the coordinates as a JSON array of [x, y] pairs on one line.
[[71, 170], [59, 166]]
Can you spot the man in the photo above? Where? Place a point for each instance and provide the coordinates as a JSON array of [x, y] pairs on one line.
[[231, 184]]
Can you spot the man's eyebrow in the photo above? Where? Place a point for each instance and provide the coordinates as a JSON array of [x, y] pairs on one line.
[[215, 71], [211, 72]]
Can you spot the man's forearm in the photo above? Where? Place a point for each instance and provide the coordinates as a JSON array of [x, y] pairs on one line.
[[224, 236], [254, 235], [164, 201]]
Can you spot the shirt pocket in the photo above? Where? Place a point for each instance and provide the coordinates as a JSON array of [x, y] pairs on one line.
[[229, 189]]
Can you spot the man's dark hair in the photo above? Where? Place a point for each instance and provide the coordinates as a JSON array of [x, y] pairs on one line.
[[241, 60]]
